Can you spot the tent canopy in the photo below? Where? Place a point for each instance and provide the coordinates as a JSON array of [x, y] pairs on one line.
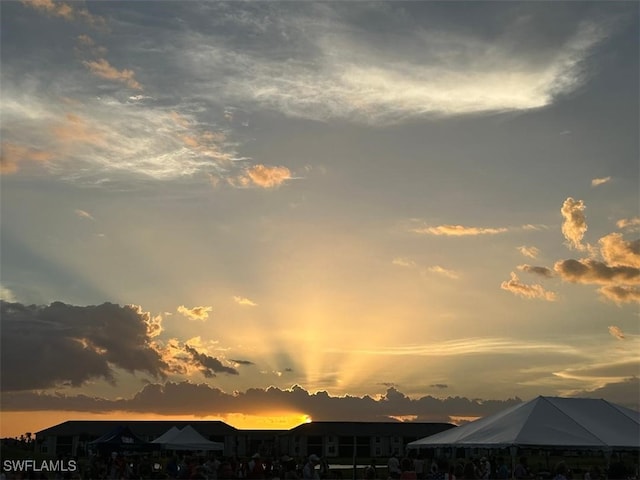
[[119, 437], [186, 439], [547, 422]]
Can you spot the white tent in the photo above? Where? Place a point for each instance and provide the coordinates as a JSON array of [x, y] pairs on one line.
[[186, 439], [547, 422]]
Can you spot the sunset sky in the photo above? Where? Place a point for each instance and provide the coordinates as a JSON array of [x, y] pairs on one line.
[[270, 212]]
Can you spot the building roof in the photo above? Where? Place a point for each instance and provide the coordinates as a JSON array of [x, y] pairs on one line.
[[404, 429], [143, 428]]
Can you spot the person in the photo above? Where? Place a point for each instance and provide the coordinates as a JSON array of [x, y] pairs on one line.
[[407, 470], [503, 471], [393, 466], [255, 468], [419, 465], [561, 471], [521, 470], [370, 470], [309, 469], [485, 468]]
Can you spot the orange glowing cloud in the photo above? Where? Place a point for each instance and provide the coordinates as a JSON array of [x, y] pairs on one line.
[[195, 313], [261, 176], [103, 69], [458, 230], [13, 154], [66, 11], [515, 286]]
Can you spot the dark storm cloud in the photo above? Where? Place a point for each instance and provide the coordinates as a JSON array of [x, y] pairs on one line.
[[208, 365], [201, 399], [241, 362], [43, 346], [625, 393], [595, 272], [542, 271]]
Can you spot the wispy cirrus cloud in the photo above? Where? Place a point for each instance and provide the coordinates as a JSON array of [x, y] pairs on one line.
[[84, 214], [616, 332], [103, 69], [403, 262], [515, 286], [244, 301], [13, 155], [600, 181], [531, 252], [195, 313], [458, 230], [68, 11], [443, 271]]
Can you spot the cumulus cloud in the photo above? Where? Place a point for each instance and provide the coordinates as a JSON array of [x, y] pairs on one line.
[[244, 301], [195, 313], [591, 271], [621, 293], [44, 346], [458, 230], [531, 252], [103, 69], [542, 271], [203, 399], [208, 365], [574, 225], [261, 176], [600, 181], [628, 222], [618, 252], [515, 286], [616, 332], [624, 393]]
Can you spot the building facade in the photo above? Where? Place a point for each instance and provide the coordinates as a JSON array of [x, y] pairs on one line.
[[331, 440]]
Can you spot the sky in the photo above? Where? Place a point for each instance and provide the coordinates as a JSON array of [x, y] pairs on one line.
[[276, 212]]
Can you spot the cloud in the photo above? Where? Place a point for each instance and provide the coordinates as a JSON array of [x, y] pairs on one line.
[[427, 72], [241, 362], [616, 332], [262, 176], [202, 399], [531, 252], [542, 271], [44, 346], [195, 313], [103, 69], [403, 262], [589, 271], [515, 286], [12, 155], [74, 129], [621, 293], [439, 385], [575, 224], [208, 365], [624, 393], [443, 271], [600, 181], [628, 222], [84, 214], [618, 252], [458, 230], [65, 10], [6, 294], [244, 301]]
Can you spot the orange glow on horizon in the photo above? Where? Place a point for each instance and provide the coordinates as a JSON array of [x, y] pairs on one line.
[[14, 424]]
